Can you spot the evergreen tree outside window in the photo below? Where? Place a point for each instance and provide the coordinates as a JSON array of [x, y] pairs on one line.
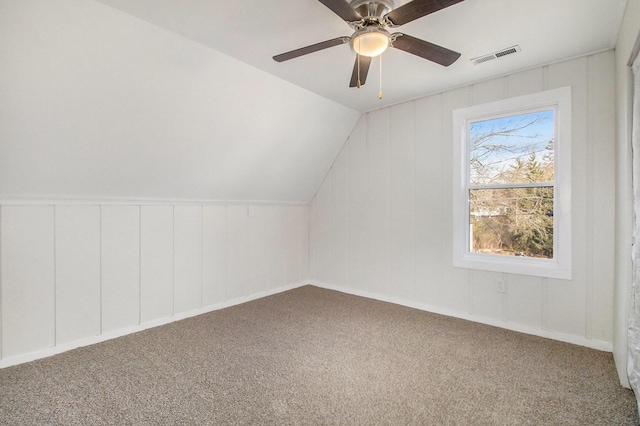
[[512, 185]]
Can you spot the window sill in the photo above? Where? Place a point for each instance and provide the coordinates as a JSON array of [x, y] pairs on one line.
[[513, 265]]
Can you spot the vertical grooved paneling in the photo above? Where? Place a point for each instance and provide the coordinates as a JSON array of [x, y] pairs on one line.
[[27, 279], [345, 149], [238, 251], [566, 299], [389, 284], [486, 302], [253, 270], [101, 281], [305, 243], [293, 236], [525, 83], [173, 260], [469, 298], [77, 271], [402, 200], [589, 201], [214, 254], [53, 318], [455, 282], [140, 265], [367, 188], [505, 299], [156, 262], [488, 91], [278, 223], [300, 248], [187, 257], [1, 281], [416, 292], [524, 300], [120, 267], [403, 227], [603, 161], [322, 231], [378, 201], [227, 251], [544, 308], [505, 87], [54, 323], [264, 249], [313, 240], [545, 78], [201, 256], [339, 220], [429, 212], [358, 214], [70, 272], [289, 239]]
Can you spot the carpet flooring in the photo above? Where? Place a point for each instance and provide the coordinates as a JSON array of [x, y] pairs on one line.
[[312, 356]]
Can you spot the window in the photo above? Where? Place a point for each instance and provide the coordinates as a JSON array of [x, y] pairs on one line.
[[512, 185]]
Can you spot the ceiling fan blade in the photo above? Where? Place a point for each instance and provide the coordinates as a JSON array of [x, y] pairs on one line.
[[424, 49], [416, 9], [310, 49], [343, 9], [365, 62]]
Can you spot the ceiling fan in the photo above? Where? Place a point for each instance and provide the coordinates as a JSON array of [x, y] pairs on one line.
[[370, 19]]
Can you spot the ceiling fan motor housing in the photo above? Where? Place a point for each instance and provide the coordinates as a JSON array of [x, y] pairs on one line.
[[372, 9], [370, 37]]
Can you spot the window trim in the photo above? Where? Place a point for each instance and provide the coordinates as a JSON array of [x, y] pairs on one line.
[[558, 267]]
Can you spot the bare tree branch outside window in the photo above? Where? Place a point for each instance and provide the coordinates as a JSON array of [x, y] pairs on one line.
[[511, 185]]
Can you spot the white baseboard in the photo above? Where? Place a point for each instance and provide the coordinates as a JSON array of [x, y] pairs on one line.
[[44, 353], [521, 328]]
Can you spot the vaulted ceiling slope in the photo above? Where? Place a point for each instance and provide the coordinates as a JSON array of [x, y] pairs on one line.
[[255, 30], [97, 103]]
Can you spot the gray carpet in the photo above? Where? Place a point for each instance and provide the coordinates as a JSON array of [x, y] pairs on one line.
[[314, 356]]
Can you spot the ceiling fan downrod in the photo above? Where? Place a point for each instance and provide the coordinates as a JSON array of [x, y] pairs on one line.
[[372, 10]]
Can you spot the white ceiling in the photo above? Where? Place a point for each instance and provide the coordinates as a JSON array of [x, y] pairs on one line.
[[180, 99], [253, 31], [95, 103]]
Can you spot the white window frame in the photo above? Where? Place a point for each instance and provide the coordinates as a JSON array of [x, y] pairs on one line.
[[558, 267]]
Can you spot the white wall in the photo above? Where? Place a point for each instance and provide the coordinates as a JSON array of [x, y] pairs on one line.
[[629, 32], [75, 274], [98, 104], [382, 220]]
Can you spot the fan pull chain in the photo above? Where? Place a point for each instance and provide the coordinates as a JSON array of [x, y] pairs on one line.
[[380, 94]]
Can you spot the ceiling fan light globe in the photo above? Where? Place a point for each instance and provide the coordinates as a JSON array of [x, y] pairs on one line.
[[370, 43]]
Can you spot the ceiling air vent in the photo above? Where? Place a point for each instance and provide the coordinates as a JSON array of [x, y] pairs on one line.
[[495, 55]]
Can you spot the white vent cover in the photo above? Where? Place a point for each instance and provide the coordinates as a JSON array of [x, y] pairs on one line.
[[495, 55]]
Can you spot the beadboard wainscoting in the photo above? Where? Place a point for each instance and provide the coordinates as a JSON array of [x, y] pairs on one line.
[[76, 274], [382, 220]]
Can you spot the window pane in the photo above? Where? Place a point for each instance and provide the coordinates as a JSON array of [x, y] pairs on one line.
[[514, 149], [512, 222]]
